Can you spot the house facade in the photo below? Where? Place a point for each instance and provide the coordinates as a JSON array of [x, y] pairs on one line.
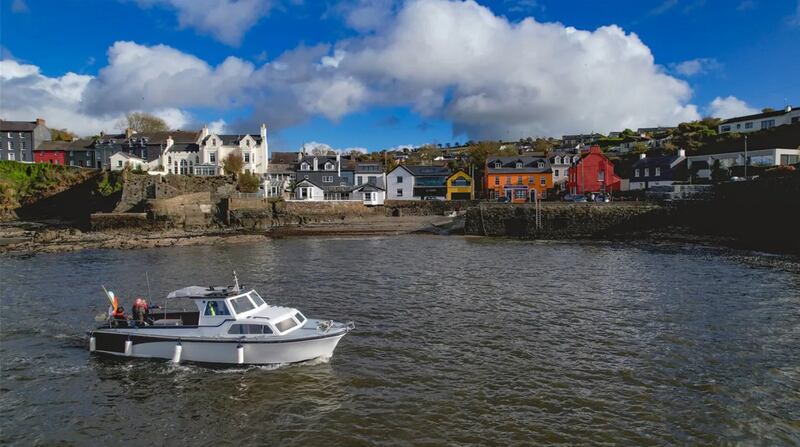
[[18, 139], [429, 181], [369, 173], [460, 186], [518, 178], [701, 167], [665, 170], [760, 121], [400, 184], [369, 194], [560, 163], [593, 172], [123, 160], [53, 152]]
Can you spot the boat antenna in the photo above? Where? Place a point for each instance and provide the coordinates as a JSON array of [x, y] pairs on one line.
[[236, 282]]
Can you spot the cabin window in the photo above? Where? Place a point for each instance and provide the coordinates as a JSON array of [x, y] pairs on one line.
[[214, 308], [249, 329], [257, 299], [242, 304], [286, 324], [300, 318]]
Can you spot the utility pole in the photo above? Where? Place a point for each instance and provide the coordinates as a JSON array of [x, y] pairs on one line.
[[745, 157]]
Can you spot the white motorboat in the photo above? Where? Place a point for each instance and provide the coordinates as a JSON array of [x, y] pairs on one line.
[[231, 326]]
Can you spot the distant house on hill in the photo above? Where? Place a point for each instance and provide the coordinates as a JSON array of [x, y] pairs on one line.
[[760, 121]]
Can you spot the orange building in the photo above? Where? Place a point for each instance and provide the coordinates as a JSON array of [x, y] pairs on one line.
[[517, 178]]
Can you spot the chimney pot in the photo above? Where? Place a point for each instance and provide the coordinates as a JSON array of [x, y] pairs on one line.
[[681, 152], [788, 109], [642, 156], [40, 121]]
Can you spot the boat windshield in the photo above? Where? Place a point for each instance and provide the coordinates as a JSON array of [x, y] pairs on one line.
[[242, 304], [256, 298]]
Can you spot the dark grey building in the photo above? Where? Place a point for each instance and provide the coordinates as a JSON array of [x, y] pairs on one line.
[[18, 139]]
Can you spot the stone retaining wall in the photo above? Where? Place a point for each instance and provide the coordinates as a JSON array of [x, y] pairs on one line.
[[184, 211], [108, 221], [426, 207]]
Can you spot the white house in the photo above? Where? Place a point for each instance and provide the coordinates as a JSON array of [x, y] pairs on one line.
[[760, 121], [560, 162], [369, 173], [122, 160], [400, 184], [702, 165], [369, 194]]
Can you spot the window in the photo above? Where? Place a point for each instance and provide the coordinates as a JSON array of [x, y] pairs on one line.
[[555, 172], [119, 163], [520, 194], [212, 157], [368, 196], [249, 329], [658, 172], [329, 166], [399, 192], [300, 318], [257, 298], [359, 180], [789, 159], [304, 166], [286, 324], [531, 179], [542, 181], [748, 125], [508, 180], [496, 180], [213, 141], [647, 172], [540, 164], [372, 179], [766, 124], [557, 161], [11, 156], [519, 180], [248, 143], [327, 179], [738, 126], [519, 165], [303, 193], [246, 157], [242, 304], [214, 308], [725, 128], [399, 179], [636, 173], [498, 165]]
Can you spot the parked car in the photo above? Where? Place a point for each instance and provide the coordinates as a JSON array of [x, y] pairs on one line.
[[581, 199], [602, 198], [568, 198], [433, 198]]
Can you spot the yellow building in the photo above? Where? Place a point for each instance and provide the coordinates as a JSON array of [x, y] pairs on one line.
[[460, 186]]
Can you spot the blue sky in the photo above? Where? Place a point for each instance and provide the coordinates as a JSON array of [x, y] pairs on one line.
[[382, 73]]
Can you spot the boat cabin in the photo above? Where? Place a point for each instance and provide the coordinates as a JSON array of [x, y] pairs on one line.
[[248, 313]]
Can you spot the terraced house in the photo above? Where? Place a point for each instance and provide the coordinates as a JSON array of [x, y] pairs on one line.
[[18, 139], [518, 178]]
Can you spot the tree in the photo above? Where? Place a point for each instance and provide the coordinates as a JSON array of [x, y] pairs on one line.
[[767, 110], [628, 133], [479, 152], [61, 135], [639, 148], [718, 173], [233, 164], [542, 145], [144, 122], [248, 182]]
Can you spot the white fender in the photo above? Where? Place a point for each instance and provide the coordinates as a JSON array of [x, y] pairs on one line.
[[240, 354], [92, 344], [128, 348], [176, 356]]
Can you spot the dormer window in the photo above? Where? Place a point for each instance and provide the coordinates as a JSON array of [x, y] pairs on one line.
[[558, 160], [305, 166], [540, 164], [329, 166], [658, 172], [519, 165], [498, 165]]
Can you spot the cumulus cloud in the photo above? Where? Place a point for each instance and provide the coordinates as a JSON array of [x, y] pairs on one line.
[[730, 107], [367, 15], [19, 6], [316, 148], [697, 66], [225, 20]]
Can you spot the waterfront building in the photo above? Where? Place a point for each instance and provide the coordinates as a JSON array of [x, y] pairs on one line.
[[460, 186], [206, 155], [593, 172], [663, 170], [318, 186], [18, 139], [760, 121], [369, 173], [123, 160], [413, 182], [279, 180], [560, 162], [518, 178], [369, 194]]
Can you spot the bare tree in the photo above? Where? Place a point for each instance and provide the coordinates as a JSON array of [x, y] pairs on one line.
[[145, 122], [233, 164]]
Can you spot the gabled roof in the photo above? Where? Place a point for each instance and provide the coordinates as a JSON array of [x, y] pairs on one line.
[[315, 178], [459, 171], [17, 126], [53, 146], [234, 140], [283, 157], [759, 115], [184, 147], [128, 156], [422, 171], [369, 168], [508, 164], [369, 187]]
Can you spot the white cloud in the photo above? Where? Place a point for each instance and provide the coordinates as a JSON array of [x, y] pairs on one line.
[[217, 126], [794, 19], [317, 148], [697, 66], [729, 107], [367, 15], [225, 20]]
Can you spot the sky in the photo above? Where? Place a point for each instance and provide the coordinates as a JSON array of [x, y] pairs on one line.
[[378, 74]]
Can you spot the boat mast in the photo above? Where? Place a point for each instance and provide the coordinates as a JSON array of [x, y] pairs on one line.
[[236, 282]]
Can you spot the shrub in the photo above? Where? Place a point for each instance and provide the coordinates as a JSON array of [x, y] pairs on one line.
[[248, 182]]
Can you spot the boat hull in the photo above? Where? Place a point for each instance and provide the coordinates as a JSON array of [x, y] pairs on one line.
[[233, 352]]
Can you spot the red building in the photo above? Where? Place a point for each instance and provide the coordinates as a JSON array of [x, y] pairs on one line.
[[53, 152], [594, 172]]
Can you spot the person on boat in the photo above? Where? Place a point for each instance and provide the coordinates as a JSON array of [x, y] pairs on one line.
[[140, 311], [119, 317]]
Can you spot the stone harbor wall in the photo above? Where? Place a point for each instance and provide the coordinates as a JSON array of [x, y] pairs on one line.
[[562, 220], [138, 188], [426, 207]]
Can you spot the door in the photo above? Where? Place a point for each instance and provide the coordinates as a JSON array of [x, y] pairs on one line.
[[509, 195]]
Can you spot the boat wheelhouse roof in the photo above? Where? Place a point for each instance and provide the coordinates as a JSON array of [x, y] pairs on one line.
[[199, 292]]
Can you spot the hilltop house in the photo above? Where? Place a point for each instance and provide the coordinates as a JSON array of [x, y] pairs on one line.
[[518, 178], [593, 172], [701, 167], [658, 171], [760, 121], [18, 139]]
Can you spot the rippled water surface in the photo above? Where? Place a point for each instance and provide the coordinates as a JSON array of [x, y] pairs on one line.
[[458, 342]]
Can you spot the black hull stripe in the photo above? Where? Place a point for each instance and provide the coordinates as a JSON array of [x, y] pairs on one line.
[[141, 339]]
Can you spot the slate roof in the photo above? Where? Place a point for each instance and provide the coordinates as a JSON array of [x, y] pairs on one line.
[[53, 146], [369, 168], [369, 187], [17, 126], [509, 164], [423, 171], [233, 140], [315, 178], [283, 157], [184, 147], [280, 168]]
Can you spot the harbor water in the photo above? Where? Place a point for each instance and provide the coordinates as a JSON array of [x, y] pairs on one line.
[[458, 341]]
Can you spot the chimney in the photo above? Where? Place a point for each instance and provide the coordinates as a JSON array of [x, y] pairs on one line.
[[642, 156], [681, 152], [129, 132], [204, 132], [316, 163], [265, 146], [338, 165], [788, 109], [170, 142], [40, 121]]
